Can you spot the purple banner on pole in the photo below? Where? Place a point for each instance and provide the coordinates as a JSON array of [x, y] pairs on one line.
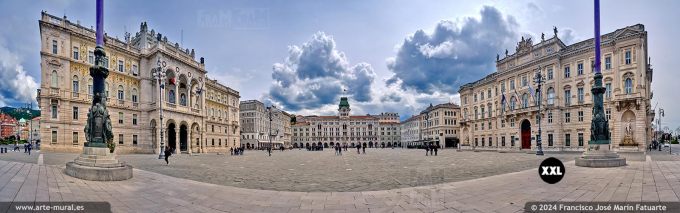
[[597, 36], [100, 23]]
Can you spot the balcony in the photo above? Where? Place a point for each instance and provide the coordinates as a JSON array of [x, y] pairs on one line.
[[121, 102], [54, 91], [170, 105], [75, 94]]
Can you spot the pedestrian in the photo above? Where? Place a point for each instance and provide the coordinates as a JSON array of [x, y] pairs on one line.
[[436, 147], [25, 148], [431, 149], [167, 155], [364, 148], [337, 149], [427, 149], [231, 151], [340, 150]]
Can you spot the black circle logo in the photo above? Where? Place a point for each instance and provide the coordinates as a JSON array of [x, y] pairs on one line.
[[551, 170]]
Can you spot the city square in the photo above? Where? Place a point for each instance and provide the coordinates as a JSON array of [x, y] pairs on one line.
[[250, 113]]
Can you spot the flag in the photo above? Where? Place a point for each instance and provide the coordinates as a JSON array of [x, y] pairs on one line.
[[517, 97], [503, 102], [532, 92]]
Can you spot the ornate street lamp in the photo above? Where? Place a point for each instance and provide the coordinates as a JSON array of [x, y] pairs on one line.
[[160, 76], [271, 114], [539, 80]]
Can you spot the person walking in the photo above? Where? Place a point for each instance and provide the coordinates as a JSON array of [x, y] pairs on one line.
[[30, 146], [431, 149], [231, 151], [167, 155], [363, 148], [436, 147], [427, 149], [359, 149], [340, 150]]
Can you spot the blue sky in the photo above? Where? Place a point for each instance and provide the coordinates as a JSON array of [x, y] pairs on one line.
[[390, 55]]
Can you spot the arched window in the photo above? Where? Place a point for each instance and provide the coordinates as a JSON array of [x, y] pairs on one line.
[[121, 93], [171, 96], [629, 86], [75, 86], [183, 99], [551, 96], [55, 79], [525, 100], [134, 95], [90, 89]]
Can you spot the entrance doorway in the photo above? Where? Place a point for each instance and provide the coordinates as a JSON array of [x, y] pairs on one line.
[[526, 134], [172, 136], [183, 138]]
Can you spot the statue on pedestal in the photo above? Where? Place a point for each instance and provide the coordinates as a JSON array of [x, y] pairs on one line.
[[628, 138]]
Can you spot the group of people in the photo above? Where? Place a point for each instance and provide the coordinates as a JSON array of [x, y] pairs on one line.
[[237, 151], [314, 147], [431, 149], [338, 149]]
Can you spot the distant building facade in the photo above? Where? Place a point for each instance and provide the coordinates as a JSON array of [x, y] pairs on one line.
[[8, 126], [500, 112], [346, 129], [256, 126], [200, 115]]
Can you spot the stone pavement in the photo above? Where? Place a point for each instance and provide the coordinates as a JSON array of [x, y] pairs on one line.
[[152, 192]]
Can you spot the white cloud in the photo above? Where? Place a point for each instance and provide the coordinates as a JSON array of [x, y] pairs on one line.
[[16, 85]]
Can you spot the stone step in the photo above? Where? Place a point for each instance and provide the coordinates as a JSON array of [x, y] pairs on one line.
[[96, 161], [99, 164], [98, 156]]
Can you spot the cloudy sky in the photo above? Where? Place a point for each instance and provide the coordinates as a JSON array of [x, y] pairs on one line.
[[391, 55]]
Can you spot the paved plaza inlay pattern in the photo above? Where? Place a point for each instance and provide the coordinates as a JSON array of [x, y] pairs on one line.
[[152, 192], [322, 171]]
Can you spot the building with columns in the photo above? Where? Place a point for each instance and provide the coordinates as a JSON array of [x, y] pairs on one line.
[[500, 111], [345, 129], [199, 114], [255, 126]]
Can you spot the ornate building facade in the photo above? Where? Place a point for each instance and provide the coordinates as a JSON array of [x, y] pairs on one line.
[[255, 126], [346, 129], [200, 115], [500, 110]]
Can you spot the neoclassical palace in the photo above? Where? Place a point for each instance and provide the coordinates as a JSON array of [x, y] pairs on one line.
[[200, 114], [500, 110], [372, 130]]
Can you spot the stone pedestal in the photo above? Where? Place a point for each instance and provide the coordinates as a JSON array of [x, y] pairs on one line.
[[599, 155], [98, 164]]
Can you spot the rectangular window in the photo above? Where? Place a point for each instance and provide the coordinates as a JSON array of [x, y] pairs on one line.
[[483, 143], [512, 84], [581, 96], [627, 57], [579, 68], [134, 119], [567, 139], [580, 139], [134, 140], [120, 66], [550, 117], [120, 117], [550, 73], [567, 97], [135, 71], [567, 117], [567, 72], [608, 90], [550, 139], [75, 138], [608, 113], [75, 113], [90, 57], [54, 136], [580, 116], [503, 141], [592, 66], [512, 140], [608, 63], [524, 81], [490, 141], [502, 123], [54, 46], [54, 111], [75, 53], [120, 139]]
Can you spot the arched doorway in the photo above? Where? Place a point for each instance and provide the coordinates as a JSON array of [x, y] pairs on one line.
[[183, 138], [325, 145], [172, 136], [526, 134], [332, 144], [389, 144], [370, 144]]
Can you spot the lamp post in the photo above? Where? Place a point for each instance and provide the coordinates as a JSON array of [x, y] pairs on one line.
[[270, 110], [658, 126], [159, 75], [539, 80]]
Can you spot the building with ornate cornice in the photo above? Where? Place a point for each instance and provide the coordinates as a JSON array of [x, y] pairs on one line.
[[500, 111], [200, 114], [380, 130], [255, 126]]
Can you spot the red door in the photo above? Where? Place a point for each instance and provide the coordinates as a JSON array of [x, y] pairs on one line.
[[526, 139]]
